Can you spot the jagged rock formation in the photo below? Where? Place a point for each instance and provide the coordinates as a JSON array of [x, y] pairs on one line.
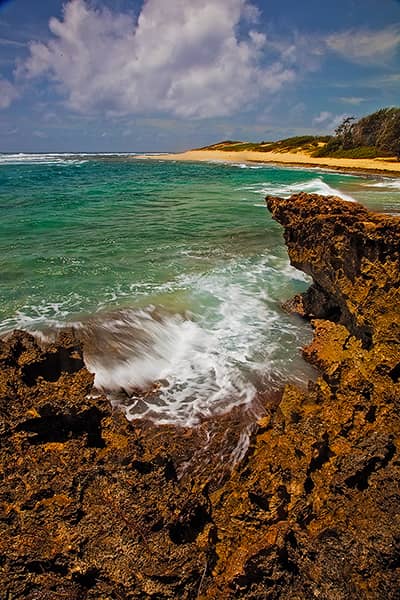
[[352, 256], [94, 506], [315, 507]]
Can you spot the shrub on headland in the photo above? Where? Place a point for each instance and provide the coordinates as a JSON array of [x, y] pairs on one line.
[[299, 142], [360, 152], [377, 134]]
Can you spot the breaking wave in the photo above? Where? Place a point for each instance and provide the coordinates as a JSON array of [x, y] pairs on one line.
[[183, 367], [285, 190], [393, 184], [55, 158]]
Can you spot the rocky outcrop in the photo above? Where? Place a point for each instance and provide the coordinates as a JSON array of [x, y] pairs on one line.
[[92, 507], [96, 507], [353, 257]]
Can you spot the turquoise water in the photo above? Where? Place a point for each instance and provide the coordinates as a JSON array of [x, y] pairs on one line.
[[176, 270]]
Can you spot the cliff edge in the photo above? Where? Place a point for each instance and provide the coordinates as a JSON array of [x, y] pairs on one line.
[[96, 507]]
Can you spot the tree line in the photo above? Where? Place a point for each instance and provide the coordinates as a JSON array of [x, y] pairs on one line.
[[379, 131]]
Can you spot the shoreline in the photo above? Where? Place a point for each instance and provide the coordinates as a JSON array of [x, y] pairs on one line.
[[368, 166]]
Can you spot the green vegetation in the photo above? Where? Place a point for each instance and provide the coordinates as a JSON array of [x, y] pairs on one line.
[[375, 135], [292, 144], [218, 145], [360, 152], [233, 146], [302, 142], [240, 146]]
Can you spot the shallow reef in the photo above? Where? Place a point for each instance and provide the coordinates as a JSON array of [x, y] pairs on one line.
[[94, 506]]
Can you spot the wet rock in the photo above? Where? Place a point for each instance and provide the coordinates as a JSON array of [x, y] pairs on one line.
[[89, 508]]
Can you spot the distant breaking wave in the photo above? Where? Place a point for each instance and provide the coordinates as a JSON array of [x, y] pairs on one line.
[[314, 186], [57, 158], [393, 184]]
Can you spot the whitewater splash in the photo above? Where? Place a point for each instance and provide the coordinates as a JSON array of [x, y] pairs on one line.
[[228, 340], [172, 358], [182, 367], [285, 190]]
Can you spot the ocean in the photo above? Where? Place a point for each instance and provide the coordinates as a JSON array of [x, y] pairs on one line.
[[173, 272]]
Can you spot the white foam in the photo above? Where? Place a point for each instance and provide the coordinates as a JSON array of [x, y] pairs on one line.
[[285, 190], [238, 340], [50, 159], [205, 364], [293, 273], [246, 166], [34, 317], [56, 158], [196, 379], [393, 184]]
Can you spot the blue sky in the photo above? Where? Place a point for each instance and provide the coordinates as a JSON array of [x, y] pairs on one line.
[[126, 75]]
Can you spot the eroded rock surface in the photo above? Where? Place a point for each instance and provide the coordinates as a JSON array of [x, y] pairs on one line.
[[96, 507]]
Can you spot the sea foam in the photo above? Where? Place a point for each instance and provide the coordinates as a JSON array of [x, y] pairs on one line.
[[285, 190], [392, 184], [202, 364], [54, 158]]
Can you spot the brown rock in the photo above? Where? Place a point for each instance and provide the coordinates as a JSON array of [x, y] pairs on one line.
[[96, 507]]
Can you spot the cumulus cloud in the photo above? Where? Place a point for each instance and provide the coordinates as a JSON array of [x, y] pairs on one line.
[[188, 59], [366, 46], [8, 93]]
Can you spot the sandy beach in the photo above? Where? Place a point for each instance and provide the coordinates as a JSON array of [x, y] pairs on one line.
[[383, 166]]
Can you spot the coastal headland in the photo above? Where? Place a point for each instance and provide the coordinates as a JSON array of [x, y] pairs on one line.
[[94, 506], [369, 145]]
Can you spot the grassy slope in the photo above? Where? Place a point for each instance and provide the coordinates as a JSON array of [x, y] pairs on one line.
[[312, 145]]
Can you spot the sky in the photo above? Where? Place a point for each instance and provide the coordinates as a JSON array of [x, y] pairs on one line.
[[168, 75]]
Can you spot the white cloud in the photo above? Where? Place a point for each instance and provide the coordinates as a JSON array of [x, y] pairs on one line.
[[323, 117], [328, 120], [181, 58], [8, 42], [335, 121], [8, 93], [366, 46], [353, 100]]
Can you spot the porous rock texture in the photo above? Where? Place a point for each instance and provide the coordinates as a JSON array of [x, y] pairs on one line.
[[96, 507]]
